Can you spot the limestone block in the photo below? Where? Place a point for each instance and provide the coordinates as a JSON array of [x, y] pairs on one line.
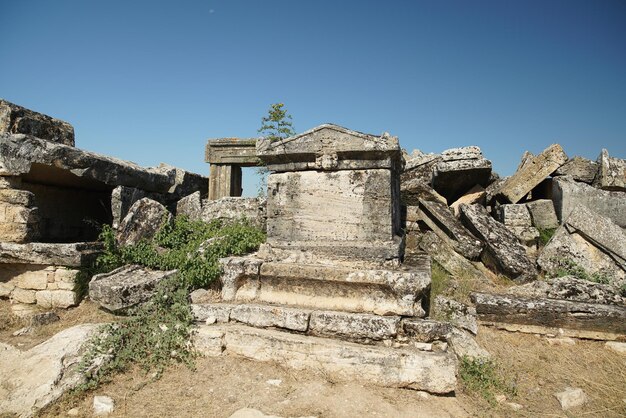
[[6, 289], [271, 316], [209, 341], [451, 261], [384, 366], [122, 198], [420, 169], [514, 215], [457, 313], [65, 275], [464, 345], [143, 221], [580, 169], [570, 288], [474, 195], [531, 174], [17, 233], [240, 151], [56, 298], [502, 249], [126, 286], [527, 235], [19, 120], [190, 206], [234, 208], [236, 270], [443, 223], [21, 215], [571, 398], [36, 280], [73, 255], [211, 312], [542, 214], [568, 194], [353, 326], [426, 330], [459, 170], [413, 190], [17, 197], [23, 295], [611, 173]]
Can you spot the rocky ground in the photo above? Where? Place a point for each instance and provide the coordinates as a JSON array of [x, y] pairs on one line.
[[538, 367]]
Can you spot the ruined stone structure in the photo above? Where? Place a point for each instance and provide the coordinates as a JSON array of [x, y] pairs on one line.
[[55, 197], [227, 156], [329, 278]]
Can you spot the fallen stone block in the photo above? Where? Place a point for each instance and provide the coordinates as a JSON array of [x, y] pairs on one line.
[[420, 169], [475, 195], [542, 214], [450, 260], [459, 170], [503, 250], [568, 194], [413, 190], [456, 313], [611, 173], [16, 119], [126, 286], [531, 174], [23, 391], [570, 288], [579, 169], [384, 366], [463, 345], [514, 215], [425, 330], [142, 222], [587, 241], [235, 208], [443, 223], [550, 313], [190, 206]]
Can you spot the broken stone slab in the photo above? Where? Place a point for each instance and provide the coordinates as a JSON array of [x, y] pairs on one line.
[[330, 147], [463, 345], [353, 326], [475, 195], [413, 190], [71, 255], [568, 194], [531, 174], [190, 206], [181, 182], [492, 190], [443, 223], [502, 249], [271, 316], [457, 313], [571, 398], [235, 208], [527, 157], [419, 169], [35, 378], [327, 286], [450, 260], [514, 215], [40, 161], [570, 288], [459, 170], [542, 214], [587, 241], [126, 286], [145, 217], [611, 173], [434, 372], [550, 313], [16, 119], [211, 313], [580, 169], [425, 330]]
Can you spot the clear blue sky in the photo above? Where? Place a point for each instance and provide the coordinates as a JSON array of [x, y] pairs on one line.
[[150, 81]]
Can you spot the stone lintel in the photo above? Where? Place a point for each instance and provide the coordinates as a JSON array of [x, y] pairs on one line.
[[238, 151]]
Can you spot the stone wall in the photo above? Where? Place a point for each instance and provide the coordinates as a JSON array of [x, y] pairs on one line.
[[45, 286]]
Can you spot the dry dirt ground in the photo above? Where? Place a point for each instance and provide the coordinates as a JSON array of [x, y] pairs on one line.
[[220, 386]]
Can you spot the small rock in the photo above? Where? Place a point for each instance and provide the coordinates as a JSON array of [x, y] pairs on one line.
[[74, 412], [423, 395], [561, 341], [211, 320], [103, 405], [274, 382], [22, 331], [571, 398], [500, 398], [616, 346], [44, 318], [514, 406]]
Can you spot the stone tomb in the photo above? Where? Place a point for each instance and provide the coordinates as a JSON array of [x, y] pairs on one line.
[[328, 289]]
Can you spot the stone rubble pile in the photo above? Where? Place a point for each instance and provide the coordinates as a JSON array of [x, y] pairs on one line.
[[475, 218]]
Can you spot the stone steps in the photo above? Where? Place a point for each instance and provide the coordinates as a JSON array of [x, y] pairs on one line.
[[327, 286], [434, 372], [356, 327]]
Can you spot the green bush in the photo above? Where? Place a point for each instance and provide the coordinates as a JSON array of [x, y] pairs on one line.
[[481, 376], [545, 235], [567, 267]]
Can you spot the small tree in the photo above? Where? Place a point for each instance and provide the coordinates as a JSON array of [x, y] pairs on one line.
[[277, 124]]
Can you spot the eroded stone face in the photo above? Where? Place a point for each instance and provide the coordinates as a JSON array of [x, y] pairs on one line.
[[15, 119]]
